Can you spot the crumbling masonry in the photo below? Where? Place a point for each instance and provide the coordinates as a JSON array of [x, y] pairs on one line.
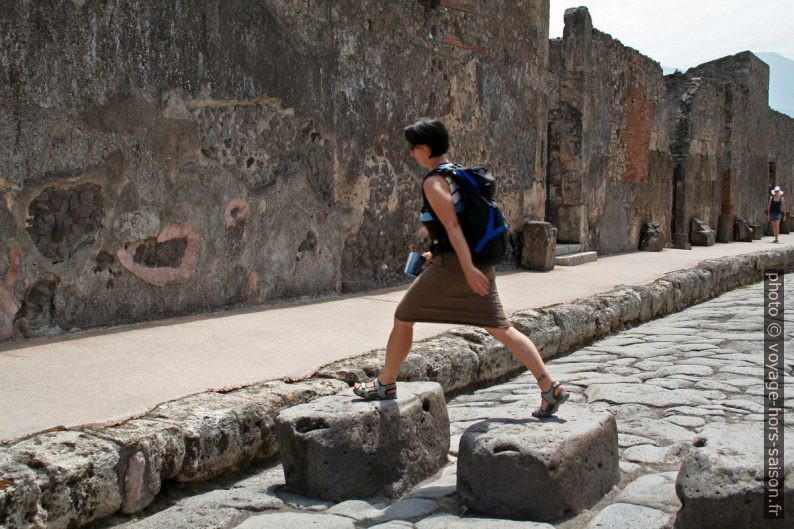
[[159, 159]]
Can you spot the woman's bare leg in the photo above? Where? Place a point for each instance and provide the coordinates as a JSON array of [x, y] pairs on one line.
[[397, 348], [526, 352], [775, 228]]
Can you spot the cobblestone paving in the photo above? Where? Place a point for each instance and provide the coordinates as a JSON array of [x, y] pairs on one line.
[[663, 380]]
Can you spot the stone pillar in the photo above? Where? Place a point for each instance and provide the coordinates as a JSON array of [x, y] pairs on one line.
[[539, 245], [725, 228], [681, 241]]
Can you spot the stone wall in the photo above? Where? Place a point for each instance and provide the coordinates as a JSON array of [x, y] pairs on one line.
[[729, 149], [698, 143], [746, 81], [159, 159], [609, 167], [781, 154]]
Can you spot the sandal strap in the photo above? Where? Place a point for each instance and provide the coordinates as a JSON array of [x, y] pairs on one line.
[[548, 395], [374, 389]]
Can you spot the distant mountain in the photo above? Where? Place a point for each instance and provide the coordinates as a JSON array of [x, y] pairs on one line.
[[781, 82], [667, 70]]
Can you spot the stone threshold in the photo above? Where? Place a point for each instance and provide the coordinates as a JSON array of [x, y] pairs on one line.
[[71, 478]]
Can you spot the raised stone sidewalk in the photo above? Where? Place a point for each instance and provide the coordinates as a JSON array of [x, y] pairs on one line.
[[74, 478]]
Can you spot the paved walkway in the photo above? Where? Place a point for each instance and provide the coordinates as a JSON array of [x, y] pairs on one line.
[[105, 376], [665, 381]]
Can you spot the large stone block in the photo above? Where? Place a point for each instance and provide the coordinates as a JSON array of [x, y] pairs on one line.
[[652, 238], [700, 234], [721, 483], [150, 451], [19, 494], [224, 431], [539, 470], [75, 480], [341, 447], [539, 245], [576, 323], [725, 228], [743, 231]]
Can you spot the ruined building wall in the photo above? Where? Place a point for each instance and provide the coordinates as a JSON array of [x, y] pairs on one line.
[[746, 82], [781, 154], [729, 148], [162, 158], [609, 167], [698, 142]]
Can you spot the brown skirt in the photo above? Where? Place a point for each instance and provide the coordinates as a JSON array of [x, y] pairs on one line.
[[441, 295]]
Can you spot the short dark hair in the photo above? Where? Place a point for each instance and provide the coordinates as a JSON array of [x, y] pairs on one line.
[[430, 132]]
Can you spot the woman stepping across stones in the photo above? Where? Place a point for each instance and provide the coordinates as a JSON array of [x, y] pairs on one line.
[[451, 288]]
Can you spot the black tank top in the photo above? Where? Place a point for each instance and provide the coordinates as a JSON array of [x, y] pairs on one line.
[[775, 208], [439, 240]]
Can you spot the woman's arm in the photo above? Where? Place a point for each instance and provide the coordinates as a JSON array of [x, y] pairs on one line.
[[438, 195]]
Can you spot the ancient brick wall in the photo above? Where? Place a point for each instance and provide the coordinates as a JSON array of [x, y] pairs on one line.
[[609, 166], [162, 158]]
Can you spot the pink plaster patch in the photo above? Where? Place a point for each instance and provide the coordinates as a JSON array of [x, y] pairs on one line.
[[8, 302], [162, 275], [237, 212], [252, 288]]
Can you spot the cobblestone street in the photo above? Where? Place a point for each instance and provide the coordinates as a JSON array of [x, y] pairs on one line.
[[665, 381]]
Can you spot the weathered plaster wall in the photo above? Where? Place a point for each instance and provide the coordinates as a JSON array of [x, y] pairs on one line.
[[164, 158], [609, 167]]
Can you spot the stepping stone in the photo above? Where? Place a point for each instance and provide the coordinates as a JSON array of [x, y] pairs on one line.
[[342, 447], [721, 484], [539, 470]]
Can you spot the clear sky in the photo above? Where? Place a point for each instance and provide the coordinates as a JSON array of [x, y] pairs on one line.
[[685, 33]]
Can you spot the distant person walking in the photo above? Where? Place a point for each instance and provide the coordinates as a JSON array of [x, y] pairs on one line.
[[775, 209], [451, 289]]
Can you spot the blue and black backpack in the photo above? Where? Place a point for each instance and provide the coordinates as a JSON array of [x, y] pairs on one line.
[[473, 191]]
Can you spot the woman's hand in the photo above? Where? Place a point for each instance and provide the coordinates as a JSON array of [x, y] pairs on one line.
[[428, 259], [477, 281]]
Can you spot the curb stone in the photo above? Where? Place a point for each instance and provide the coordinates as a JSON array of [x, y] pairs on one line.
[[182, 442]]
